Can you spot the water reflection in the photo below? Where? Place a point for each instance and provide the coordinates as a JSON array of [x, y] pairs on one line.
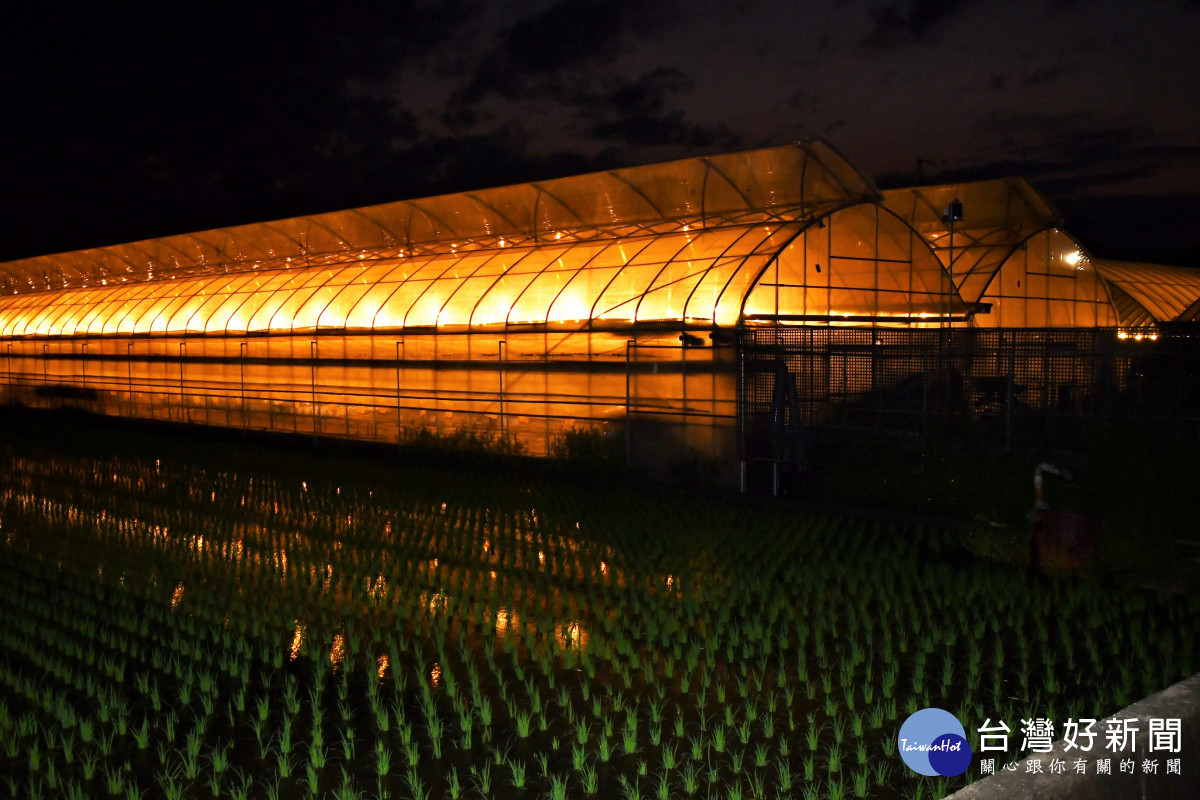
[[297, 640], [337, 650], [304, 551], [571, 636]]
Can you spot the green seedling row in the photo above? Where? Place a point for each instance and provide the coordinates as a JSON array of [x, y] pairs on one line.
[[175, 631]]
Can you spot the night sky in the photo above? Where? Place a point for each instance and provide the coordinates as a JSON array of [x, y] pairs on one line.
[[122, 124]]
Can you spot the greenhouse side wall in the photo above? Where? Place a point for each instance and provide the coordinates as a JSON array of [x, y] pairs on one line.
[[519, 390]]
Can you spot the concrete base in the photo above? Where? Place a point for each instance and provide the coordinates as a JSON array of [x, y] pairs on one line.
[[1180, 701]]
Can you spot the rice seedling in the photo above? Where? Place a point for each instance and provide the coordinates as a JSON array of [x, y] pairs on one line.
[[717, 738], [629, 739], [556, 670], [516, 771], [604, 749], [454, 787], [482, 778], [833, 758], [114, 780], [312, 779]]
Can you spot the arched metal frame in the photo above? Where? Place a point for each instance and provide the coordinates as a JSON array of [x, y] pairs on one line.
[[695, 242], [677, 242], [743, 187], [1002, 221], [1147, 293]]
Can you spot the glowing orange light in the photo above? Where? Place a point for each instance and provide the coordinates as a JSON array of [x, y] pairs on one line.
[[297, 639], [337, 651]]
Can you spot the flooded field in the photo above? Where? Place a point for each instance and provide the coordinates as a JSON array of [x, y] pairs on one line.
[[202, 624]]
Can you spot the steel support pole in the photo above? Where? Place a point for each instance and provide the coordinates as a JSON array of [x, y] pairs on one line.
[[312, 353], [183, 408], [500, 361], [129, 375], [628, 406], [400, 420], [242, 379], [950, 289]]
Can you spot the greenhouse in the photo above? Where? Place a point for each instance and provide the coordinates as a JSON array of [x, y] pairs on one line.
[[646, 302], [1145, 294]]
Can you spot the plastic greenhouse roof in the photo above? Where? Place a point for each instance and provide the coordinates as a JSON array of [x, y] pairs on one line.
[[998, 215], [1148, 293], [699, 276], [789, 183]]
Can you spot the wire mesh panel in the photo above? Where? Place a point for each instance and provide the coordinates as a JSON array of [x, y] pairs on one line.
[[795, 381]]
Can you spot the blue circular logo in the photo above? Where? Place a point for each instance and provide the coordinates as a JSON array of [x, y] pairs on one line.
[[933, 742]]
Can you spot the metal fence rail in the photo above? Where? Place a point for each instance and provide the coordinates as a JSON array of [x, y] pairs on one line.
[[795, 381]]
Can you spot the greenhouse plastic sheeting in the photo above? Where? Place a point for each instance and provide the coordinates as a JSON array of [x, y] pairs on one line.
[[1010, 254], [788, 183], [1149, 293]]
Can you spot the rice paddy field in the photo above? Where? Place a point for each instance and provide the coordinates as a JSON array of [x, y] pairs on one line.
[[203, 621]]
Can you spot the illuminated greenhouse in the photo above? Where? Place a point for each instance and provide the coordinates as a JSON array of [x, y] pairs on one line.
[[648, 302]]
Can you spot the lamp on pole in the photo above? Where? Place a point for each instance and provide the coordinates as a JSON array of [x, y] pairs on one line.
[[952, 214]]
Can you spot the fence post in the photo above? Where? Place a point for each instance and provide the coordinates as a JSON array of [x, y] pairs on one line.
[[183, 407], [129, 375], [925, 395], [628, 408], [741, 408], [400, 421], [242, 381], [500, 362], [1008, 392], [316, 418]]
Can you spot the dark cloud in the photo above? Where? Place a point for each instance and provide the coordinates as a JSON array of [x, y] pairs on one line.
[[649, 93], [1154, 228], [918, 21], [124, 123], [497, 157], [149, 120], [1062, 6], [567, 35], [1071, 157], [803, 101], [1047, 75], [636, 113], [667, 129]]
